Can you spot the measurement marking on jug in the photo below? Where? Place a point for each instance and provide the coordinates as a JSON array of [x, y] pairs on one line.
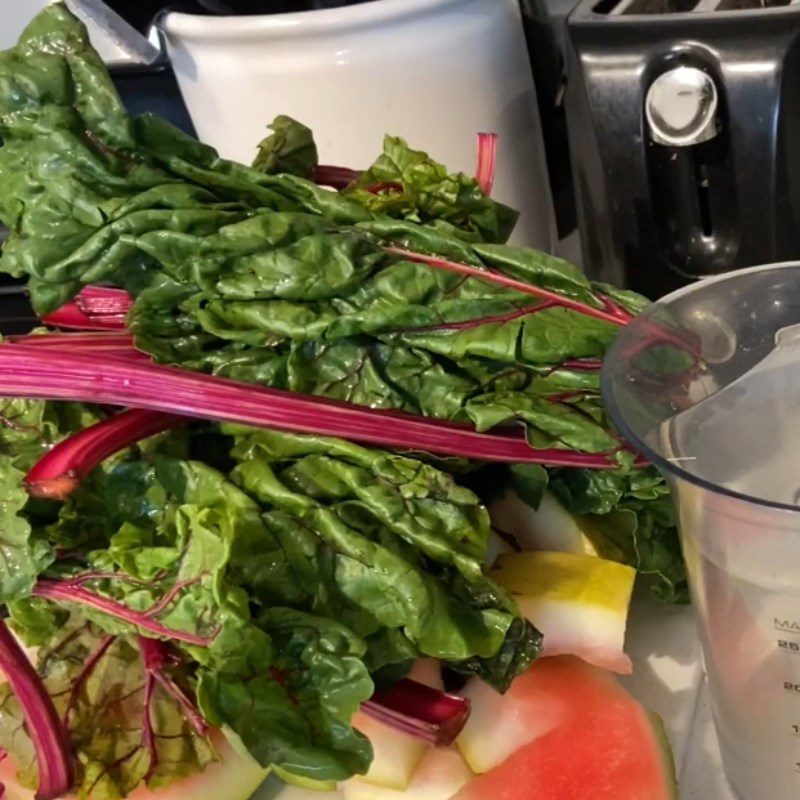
[[795, 730], [784, 631], [794, 688], [786, 626], [789, 647]]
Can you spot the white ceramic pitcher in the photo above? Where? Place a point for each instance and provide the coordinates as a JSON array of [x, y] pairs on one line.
[[433, 71]]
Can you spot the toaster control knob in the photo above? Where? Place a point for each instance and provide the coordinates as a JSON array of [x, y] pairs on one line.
[[681, 107]]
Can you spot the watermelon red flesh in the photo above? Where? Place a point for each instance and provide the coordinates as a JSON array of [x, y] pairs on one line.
[[606, 748]]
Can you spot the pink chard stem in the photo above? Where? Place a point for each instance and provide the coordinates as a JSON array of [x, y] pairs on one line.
[[487, 158], [156, 656], [115, 344], [118, 345], [335, 177], [49, 736], [581, 364], [610, 312], [476, 323], [94, 308], [88, 668], [31, 372], [60, 470], [65, 592], [103, 301], [420, 711], [70, 316]]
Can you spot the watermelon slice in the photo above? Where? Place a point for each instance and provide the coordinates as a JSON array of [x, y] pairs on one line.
[[590, 740]]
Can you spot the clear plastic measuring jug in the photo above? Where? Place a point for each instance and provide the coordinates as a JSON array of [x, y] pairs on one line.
[[706, 384]]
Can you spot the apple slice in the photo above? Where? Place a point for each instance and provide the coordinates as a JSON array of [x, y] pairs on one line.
[[549, 527], [440, 774], [397, 755], [579, 602]]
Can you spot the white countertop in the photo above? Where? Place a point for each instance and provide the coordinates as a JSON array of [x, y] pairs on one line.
[[702, 777]]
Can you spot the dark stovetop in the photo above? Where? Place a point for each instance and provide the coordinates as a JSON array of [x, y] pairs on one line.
[[16, 315]]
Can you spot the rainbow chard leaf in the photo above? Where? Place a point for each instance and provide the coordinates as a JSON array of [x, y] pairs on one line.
[[296, 713], [409, 184], [390, 535], [288, 148], [22, 555], [129, 722], [28, 428]]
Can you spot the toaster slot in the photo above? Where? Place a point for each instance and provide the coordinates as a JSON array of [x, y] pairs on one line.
[[693, 194]]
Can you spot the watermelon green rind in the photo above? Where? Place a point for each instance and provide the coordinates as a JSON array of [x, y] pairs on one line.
[[660, 733]]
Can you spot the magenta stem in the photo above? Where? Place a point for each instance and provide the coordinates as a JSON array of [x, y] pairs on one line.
[[61, 469], [476, 323], [610, 312], [116, 344], [487, 157], [419, 711], [62, 591], [615, 309], [94, 308], [103, 301], [581, 365], [30, 372], [148, 734], [70, 316], [89, 340], [48, 734], [335, 177], [155, 655]]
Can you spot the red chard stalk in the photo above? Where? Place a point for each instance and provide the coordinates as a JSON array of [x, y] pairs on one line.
[[47, 732], [420, 711], [487, 157], [32, 372]]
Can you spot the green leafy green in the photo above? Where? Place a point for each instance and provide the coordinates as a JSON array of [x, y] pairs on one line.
[[313, 564], [402, 546], [27, 429], [295, 711], [408, 184], [289, 148], [270, 278]]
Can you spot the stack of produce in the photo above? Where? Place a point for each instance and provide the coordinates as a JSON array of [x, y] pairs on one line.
[[328, 376]]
